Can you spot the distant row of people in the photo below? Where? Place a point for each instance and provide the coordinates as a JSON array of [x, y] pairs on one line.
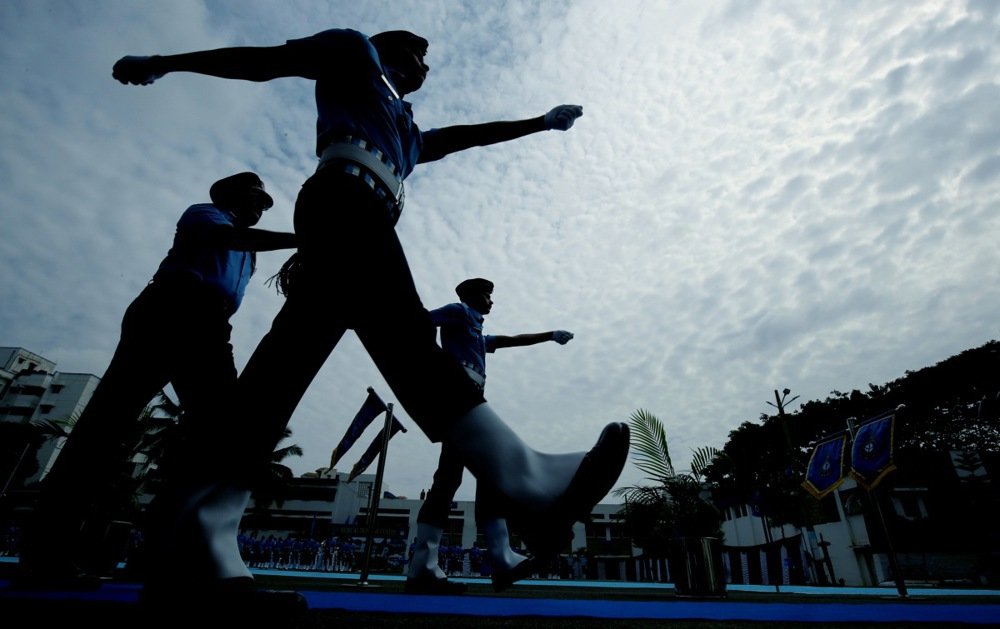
[[344, 555]]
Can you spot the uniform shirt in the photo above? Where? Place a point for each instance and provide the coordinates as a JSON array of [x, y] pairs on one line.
[[226, 270], [462, 335], [352, 99]]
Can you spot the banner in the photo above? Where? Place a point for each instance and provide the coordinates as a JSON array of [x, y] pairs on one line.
[[871, 455], [373, 450], [372, 408], [826, 467]]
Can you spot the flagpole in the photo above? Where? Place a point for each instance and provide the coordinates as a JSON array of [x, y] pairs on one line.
[[893, 564], [376, 494]]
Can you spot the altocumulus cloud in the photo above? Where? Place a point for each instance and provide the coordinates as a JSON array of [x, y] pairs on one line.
[[759, 195]]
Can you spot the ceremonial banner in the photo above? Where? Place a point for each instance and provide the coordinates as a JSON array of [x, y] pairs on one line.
[[871, 455], [372, 408], [826, 467], [373, 450]]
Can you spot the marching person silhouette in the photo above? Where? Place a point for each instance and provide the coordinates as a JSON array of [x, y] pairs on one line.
[[355, 276], [176, 331], [461, 329]]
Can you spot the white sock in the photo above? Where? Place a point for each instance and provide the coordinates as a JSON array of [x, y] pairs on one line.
[[219, 516], [203, 534], [498, 545], [425, 552]]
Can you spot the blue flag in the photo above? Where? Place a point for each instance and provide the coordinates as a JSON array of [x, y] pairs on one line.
[[372, 408], [871, 455], [826, 467], [374, 449]]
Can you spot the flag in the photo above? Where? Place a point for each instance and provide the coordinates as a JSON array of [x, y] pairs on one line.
[[373, 450], [871, 455], [826, 467], [372, 408]]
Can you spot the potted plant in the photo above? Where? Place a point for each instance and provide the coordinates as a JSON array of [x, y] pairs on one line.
[[673, 516]]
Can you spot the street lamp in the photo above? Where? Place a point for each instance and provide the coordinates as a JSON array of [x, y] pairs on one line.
[[779, 403]]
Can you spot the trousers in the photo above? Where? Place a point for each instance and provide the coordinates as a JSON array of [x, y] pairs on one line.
[[354, 276], [175, 331], [448, 478]]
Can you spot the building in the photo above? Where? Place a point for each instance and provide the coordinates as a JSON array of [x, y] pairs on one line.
[[32, 391], [933, 517], [926, 515], [324, 505], [316, 506]]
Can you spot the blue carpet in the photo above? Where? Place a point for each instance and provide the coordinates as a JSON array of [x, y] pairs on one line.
[[672, 609], [666, 610]]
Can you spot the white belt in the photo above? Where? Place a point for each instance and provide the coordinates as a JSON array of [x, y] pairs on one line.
[[356, 150]]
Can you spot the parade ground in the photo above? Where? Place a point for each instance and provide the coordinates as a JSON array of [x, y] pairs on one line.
[[342, 600]]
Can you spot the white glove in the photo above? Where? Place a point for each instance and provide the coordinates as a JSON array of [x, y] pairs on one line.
[[135, 70], [562, 117], [561, 336]]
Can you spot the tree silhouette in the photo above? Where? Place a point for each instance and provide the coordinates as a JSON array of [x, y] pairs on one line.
[[942, 413]]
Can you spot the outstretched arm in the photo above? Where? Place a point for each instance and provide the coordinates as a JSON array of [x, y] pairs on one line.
[[237, 238], [520, 340], [242, 62], [447, 140], [253, 239]]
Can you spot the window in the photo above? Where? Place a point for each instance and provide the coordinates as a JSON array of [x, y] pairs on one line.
[[56, 388], [45, 408]]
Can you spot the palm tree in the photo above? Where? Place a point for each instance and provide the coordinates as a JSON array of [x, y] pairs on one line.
[[702, 459], [156, 426], [271, 489], [675, 504]]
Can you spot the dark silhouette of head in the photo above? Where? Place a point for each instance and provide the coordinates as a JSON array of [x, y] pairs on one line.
[[238, 187], [389, 41], [242, 194], [476, 293], [402, 54]]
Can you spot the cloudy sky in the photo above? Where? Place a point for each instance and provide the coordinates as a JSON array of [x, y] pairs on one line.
[[759, 195]]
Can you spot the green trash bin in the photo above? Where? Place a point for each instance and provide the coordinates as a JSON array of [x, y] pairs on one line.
[[696, 566]]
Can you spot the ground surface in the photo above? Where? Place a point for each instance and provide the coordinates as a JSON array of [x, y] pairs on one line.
[[342, 601]]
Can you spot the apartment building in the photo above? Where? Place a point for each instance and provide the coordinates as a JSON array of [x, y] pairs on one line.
[[32, 390]]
